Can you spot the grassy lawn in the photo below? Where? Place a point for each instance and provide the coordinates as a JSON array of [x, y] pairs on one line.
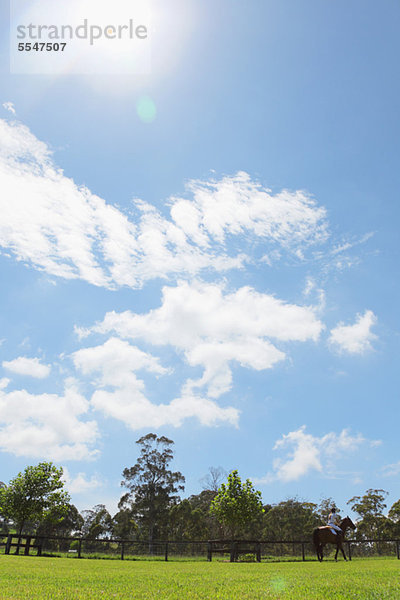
[[31, 578]]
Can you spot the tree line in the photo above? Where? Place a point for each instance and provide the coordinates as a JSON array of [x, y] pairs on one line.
[[35, 501]]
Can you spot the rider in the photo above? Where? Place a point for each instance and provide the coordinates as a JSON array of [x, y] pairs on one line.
[[334, 520]]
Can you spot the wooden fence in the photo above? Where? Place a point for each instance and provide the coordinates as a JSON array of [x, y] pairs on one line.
[[237, 547], [164, 550]]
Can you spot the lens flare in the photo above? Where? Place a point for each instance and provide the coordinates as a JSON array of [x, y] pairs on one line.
[[278, 584], [146, 109]]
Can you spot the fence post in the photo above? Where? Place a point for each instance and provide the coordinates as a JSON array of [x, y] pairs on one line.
[[8, 544], [209, 551], [233, 551], [18, 545], [166, 551], [80, 548], [258, 552], [27, 545], [398, 549], [39, 542], [122, 550], [349, 549], [302, 551]]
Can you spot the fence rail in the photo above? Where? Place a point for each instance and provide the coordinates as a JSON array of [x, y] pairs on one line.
[[266, 550]]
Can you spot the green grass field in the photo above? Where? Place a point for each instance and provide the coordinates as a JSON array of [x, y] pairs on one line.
[[31, 578]]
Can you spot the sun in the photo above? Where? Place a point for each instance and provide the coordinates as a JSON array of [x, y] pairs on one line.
[[140, 42], [119, 34]]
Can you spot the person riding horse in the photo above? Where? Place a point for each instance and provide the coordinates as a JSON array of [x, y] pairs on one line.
[[333, 521], [332, 534]]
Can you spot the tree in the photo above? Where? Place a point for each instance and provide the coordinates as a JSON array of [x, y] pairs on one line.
[[33, 495], [236, 504], [153, 487], [61, 523], [191, 518], [124, 525], [370, 507], [292, 519], [213, 479], [185, 521], [394, 516], [97, 523], [325, 507], [3, 522]]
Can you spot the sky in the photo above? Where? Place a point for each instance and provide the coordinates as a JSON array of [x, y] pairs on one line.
[[208, 250]]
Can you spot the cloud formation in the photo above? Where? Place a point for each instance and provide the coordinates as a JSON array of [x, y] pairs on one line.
[[50, 222], [10, 107], [306, 453], [63, 229], [214, 328], [47, 425], [115, 364], [392, 470], [80, 484], [4, 381], [27, 366], [357, 338], [137, 412]]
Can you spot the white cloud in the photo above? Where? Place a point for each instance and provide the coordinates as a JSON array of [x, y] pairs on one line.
[[213, 329], [27, 366], [306, 453], [237, 205], [47, 425], [392, 470], [304, 457], [349, 244], [57, 226], [207, 327], [334, 444], [357, 338], [10, 107], [132, 408], [309, 287], [80, 484], [311, 290], [345, 253], [115, 363]]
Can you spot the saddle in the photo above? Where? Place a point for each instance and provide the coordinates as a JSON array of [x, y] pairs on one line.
[[334, 531]]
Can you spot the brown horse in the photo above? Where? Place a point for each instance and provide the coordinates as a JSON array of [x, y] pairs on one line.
[[324, 535]]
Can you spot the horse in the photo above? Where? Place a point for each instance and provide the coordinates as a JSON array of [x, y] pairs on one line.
[[324, 535]]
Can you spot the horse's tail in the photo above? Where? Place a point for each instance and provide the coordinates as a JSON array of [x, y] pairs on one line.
[[315, 536]]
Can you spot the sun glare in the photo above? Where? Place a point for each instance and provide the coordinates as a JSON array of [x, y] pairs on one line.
[[139, 42]]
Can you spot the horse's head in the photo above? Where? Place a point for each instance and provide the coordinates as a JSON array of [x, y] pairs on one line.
[[347, 522]]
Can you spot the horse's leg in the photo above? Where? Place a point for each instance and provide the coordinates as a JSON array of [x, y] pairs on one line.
[[318, 550], [318, 547], [317, 543], [342, 549], [339, 545]]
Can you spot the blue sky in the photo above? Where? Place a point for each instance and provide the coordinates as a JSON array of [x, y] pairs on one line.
[[224, 273]]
